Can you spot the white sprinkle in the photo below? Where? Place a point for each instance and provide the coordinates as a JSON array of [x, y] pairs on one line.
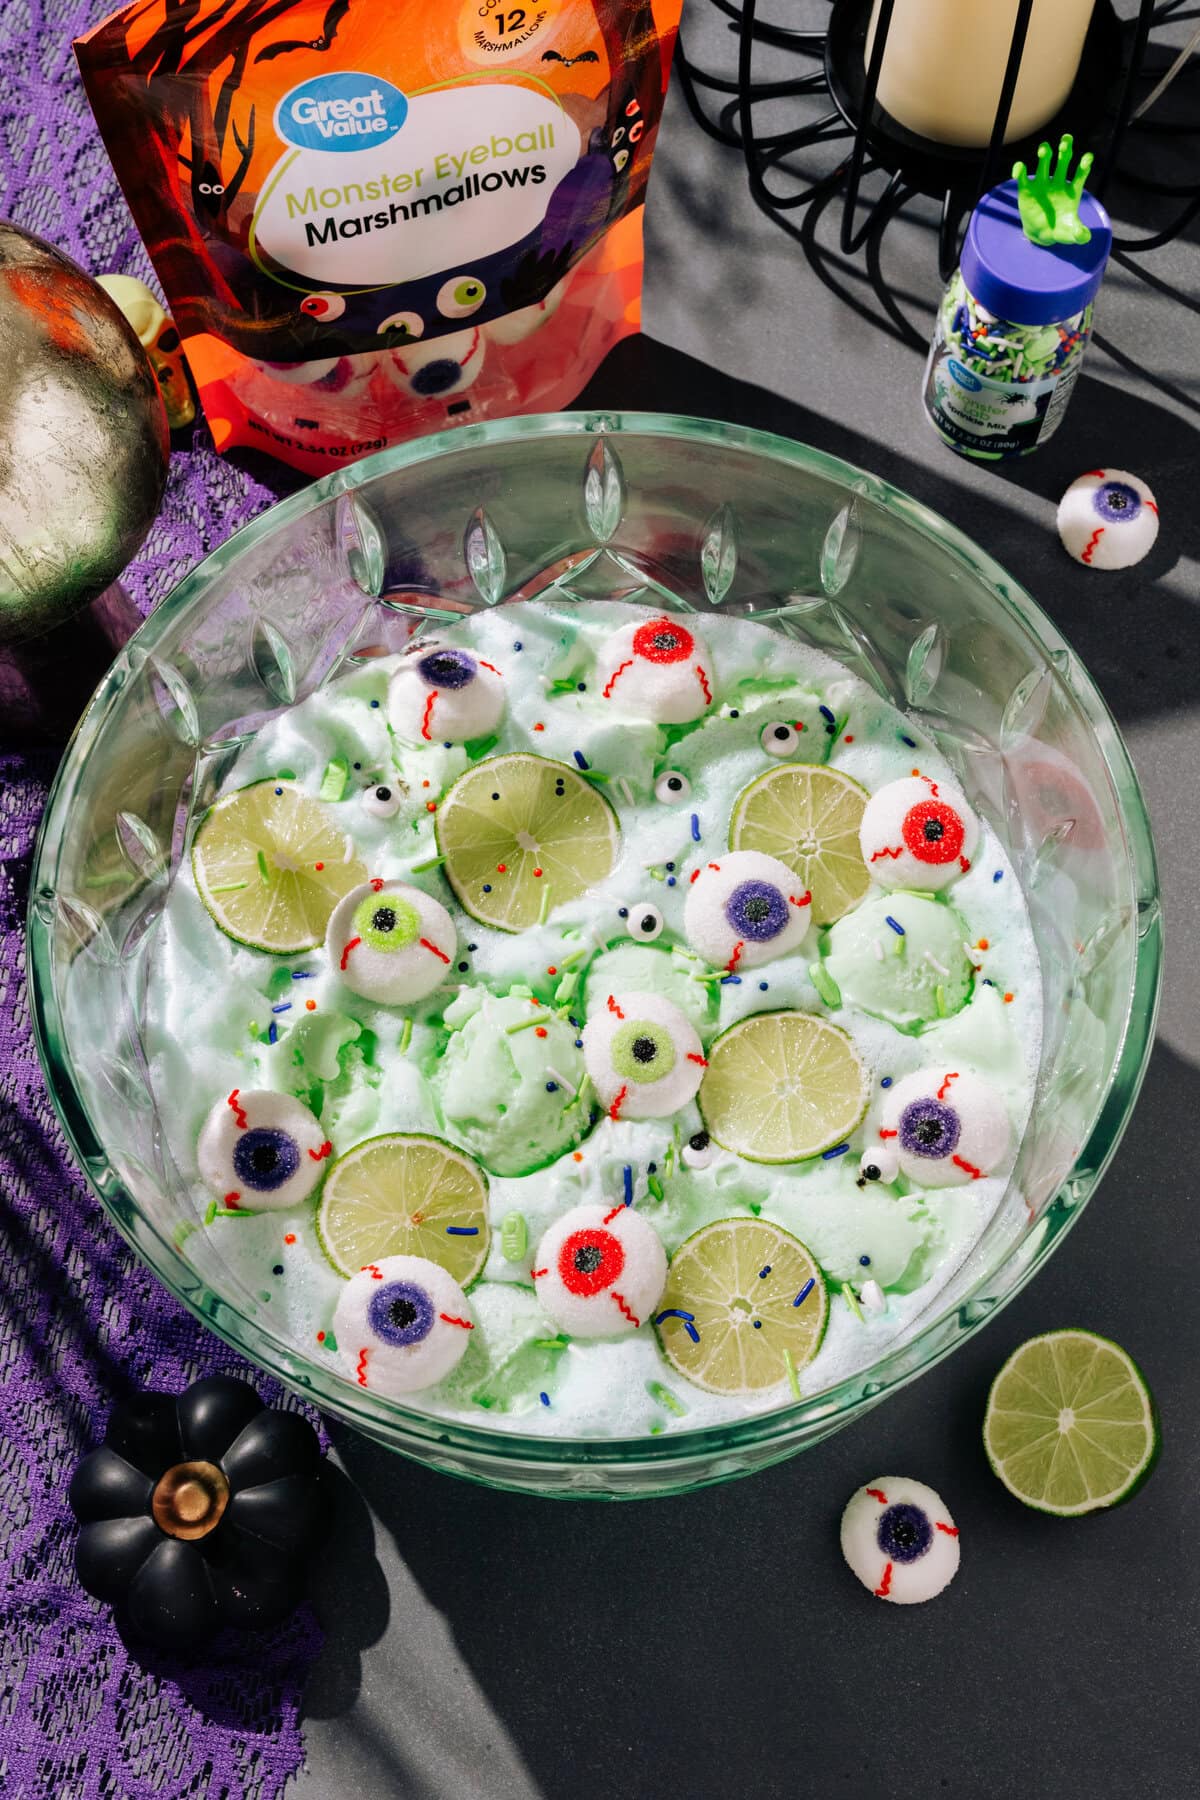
[[971, 951], [652, 864], [877, 947], [933, 962], [348, 855], [873, 1297], [561, 1079], [626, 791]]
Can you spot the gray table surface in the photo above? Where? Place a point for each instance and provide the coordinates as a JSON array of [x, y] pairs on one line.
[[483, 1646]]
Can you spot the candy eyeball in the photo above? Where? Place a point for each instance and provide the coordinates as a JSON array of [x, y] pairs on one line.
[[1108, 519], [390, 942], [438, 367], [324, 307], [745, 910], [918, 833], [882, 1164], [698, 1152], [340, 377], [645, 922], [444, 695], [900, 1541], [660, 671], [946, 1126], [461, 296], [643, 1056], [672, 788], [515, 327], [382, 802], [261, 1150], [401, 328], [778, 738], [301, 374], [401, 1324], [600, 1271]]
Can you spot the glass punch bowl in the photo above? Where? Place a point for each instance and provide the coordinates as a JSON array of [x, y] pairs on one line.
[[682, 514]]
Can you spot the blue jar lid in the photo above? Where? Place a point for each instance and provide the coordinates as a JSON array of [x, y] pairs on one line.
[[1022, 281]]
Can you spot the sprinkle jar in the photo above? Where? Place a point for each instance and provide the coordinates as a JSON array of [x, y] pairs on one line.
[[1011, 330]]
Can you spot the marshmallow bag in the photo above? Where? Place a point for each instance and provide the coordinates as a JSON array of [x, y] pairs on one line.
[[373, 222]]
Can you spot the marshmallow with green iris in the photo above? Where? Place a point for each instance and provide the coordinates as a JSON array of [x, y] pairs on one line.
[[745, 910], [918, 833], [261, 1150], [441, 694], [401, 1324], [435, 368], [1108, 519], [390, 942], [600, 1271], [643, 1055], [946, 1126], [661, 670], [900, 1541]]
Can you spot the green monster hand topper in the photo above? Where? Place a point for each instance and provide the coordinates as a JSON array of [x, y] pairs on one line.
[[1049, 200]]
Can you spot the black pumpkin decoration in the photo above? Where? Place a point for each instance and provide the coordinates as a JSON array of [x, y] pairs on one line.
[[197, 1511]]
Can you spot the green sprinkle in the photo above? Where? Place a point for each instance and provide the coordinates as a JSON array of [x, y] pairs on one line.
[[285, 774], [232, 887], [585, 1093], [544, 909], [405, 1036], [264, 872], [333, 781], [852, 1302], [939, 996], [210, 1212], [431, 862], [656, 874], [329, 1342], [566, 988], [898, 946], [666, 1398], [598, 775], [824, 983], [669, 1161], [655, 1186], [514, 1237], [573, 931], [576, 956], [554, 1343], [521, 1025], [793, 1379]]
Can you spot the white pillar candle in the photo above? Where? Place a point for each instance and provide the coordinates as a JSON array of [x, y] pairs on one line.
[[945, 62]]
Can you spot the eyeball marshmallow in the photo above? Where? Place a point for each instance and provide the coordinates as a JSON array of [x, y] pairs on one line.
[[660, 671], [600, 1271], [745, 910], [643, 1056], [882, 1164], [344, 376], [1108, 519], [401, 1324], [435, 368], [390, 942], [672, 788], [645, 922], [440, 694], [261, 1150], [382, 801], [946, 1127], [899, 1540], [698, 1152], [918, 833], [778, 738]]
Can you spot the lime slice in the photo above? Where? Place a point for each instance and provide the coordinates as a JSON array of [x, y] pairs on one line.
[[270, 866], [1071, 1425], [405, 1196], [809, 818], [520, 834], [744, 1307], [782, 1086]]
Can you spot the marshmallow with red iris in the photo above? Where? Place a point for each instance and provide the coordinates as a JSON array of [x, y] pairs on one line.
[[600, 1271], [660, 671], [918, 833], [401, 1324], [899, 1540], [745, 910], [1108, 519], [946, 1126], [643, 1056], [390, 942], [444, 695], [261, 1150], [435, 368]]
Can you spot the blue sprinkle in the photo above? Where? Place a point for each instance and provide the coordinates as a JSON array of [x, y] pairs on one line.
[[670, 865], [447, 745], [735, 979], [895, 925], [838, 1150], [911, 742], [763, 986], [544, 1398], [622, 912], [670, 881], [764, 1272], [552, 1087], [278, 1269], [987, 982], [886, 1082], [805, 1291], [284, 1006], [627, 1179], [375, 703], [687, 1317], [581, 686], [734, 714], [279, 790], [517, 645], [302, 974], [472, 946], [580, 758], [826, 714], [696, 827], [579, 1043], [865, 1261], [487, 887], [758, 1324], [462, 1231], [272, 1033], [999, 875]]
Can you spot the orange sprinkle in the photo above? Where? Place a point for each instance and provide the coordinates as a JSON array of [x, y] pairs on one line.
[[290, 1237], [539, 726], [578, 1155], [1008, 999], [552, 970], [320, 1337], [982, 944], [534, 1001], [424, 784], [431, 806], [540, 1030], [318, 865], [916, 771], [310, 1006], [797, 724]]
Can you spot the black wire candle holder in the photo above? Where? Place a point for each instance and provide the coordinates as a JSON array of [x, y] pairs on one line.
[[840, 91]]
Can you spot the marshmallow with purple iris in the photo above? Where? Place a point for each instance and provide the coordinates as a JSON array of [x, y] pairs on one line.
[[918, 833], [744, 910], [440, 694], [436, 368], [900, 1541], [643, 1056], [600, 1271], [402, 1323], [261, 1151], [661, 671], [946, 1127], [1108, 519], [390, 942]]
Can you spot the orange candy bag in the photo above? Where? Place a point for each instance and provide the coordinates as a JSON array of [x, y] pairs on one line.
[[373, 220]]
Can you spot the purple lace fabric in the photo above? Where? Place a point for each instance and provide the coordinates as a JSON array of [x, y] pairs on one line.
[[83, 1716]]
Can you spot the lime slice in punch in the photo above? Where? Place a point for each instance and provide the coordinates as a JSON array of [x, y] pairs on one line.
[[405, 1196], [783, 1086], [270, 866]]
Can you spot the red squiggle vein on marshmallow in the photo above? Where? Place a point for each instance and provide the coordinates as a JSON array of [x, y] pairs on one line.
[[702, 1060], [426, 945], [427, 715], [704, 687], [609, 1217], [623, 1307], [353, 943], [451, 1320], [1090, 548], [885, 1586], [876, 854], [950, 1530], [878, 1494], [804, 900], [362, 1368], [491, 666], [972, 1171], [610, 684], [613, 1007], [239, 1112], [732, 964], [945, 1087], [614, 1111], [325, 1150]]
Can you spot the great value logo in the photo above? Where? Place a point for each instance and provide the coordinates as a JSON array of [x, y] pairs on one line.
[[963, 376], [343, 111]]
